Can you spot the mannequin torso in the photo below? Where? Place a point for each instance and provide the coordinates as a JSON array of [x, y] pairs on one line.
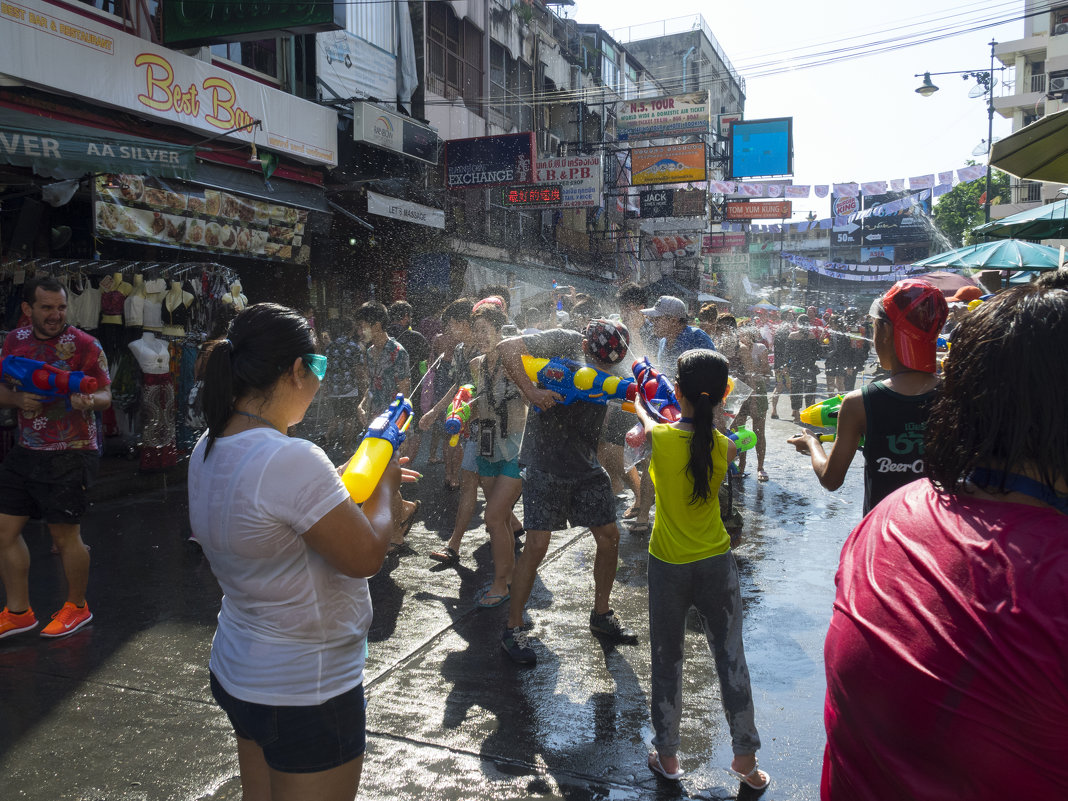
[[134, 308], [152, 354], [113, 293], [175, 310], [235, 297]]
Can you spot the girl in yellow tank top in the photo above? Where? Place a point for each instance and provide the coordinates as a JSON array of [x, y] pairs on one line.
[[691, 564]]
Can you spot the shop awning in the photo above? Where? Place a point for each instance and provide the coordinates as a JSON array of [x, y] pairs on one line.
[[291, 193], [58, 149]]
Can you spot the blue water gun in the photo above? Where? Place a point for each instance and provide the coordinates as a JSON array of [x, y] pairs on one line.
[[574, 381], [40, 378]]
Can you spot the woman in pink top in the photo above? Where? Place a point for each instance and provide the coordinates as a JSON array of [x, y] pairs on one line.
[[947, 654]]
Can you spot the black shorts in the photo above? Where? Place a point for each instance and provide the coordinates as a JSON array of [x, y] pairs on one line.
[[550, 500], [300, 739], [48, 485], [616, 425]]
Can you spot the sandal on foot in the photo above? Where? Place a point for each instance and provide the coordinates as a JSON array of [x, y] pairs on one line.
[[656, 767], [488, 601], [399, 549], [640, 529], [406, 526], [762, 475], [631, 513], [447, 556], [746, 778]]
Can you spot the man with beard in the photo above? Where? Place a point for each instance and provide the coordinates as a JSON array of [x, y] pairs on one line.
[[47, 473]]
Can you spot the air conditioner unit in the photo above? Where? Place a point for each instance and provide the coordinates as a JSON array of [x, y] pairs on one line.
[[1058, 84], [1060, 28], [548, 144]]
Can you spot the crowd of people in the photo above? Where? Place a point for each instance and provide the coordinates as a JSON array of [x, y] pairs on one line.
[[951, 587]]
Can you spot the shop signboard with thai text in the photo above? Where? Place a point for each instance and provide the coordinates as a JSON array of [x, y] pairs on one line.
[[580, 178], [55, 47]]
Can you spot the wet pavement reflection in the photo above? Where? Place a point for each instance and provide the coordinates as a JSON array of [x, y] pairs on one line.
[[122, 710]]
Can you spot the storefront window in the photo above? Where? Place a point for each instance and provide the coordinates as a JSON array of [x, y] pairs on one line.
[[454, 49], [260, 56]]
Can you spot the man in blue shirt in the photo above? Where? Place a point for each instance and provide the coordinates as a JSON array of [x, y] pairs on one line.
[[668, 317]]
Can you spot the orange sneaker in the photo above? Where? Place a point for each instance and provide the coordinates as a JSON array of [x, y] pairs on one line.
[[67, 620], [10, 623]]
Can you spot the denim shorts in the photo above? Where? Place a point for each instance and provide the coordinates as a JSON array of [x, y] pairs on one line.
[[470, 460], [300, 739], [550, 500]]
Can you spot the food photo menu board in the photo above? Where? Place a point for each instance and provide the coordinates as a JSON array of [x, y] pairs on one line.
[[178, 215]]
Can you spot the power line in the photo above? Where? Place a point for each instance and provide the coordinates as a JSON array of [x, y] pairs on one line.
[[597, 95]]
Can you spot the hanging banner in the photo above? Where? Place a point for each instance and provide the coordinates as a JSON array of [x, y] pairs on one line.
[[487, 161], [177, 215], [580, 178], [668, 164], [656, 117], [853, 272]]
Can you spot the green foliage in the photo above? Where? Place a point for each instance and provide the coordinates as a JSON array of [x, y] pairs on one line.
[[959, 211]]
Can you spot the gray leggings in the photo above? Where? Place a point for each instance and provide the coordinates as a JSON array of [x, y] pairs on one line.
[[711, 585]]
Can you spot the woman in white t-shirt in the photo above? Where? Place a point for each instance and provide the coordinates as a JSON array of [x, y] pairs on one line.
[[291, 552]]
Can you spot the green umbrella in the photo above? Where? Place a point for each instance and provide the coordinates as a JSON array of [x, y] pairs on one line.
[[1002, 254], [1042, 222]]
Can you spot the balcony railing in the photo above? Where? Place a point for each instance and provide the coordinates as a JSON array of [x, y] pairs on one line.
[[1038, 83], [1027, 192]]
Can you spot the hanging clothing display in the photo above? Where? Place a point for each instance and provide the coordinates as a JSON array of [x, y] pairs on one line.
[[158, 418], [112, 299]]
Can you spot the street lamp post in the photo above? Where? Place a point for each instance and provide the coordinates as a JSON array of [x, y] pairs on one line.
[[985, 78]]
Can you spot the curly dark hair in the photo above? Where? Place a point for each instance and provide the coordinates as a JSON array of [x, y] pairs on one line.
[[1002, 403]]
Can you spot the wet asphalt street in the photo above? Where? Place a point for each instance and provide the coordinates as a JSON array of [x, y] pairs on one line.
[[122, 709]]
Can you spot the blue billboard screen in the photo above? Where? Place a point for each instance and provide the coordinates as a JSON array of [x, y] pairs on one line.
[[762, 147]]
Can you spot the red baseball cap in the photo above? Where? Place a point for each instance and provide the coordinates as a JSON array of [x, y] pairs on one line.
[[917, 309]]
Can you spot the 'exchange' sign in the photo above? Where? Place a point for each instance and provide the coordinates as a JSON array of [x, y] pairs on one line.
[[490, 161]]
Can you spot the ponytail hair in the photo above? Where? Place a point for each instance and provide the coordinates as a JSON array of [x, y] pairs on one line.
[[262, 343], [702, 377]]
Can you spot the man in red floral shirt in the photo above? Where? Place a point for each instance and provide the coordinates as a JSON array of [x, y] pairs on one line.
[[47, 473]]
